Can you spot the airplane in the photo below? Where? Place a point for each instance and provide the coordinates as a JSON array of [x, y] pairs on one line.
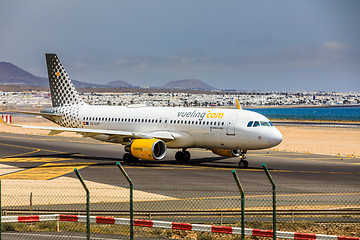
[[147, 132]]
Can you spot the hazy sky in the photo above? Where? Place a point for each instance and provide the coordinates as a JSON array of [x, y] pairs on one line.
[[245, 45]]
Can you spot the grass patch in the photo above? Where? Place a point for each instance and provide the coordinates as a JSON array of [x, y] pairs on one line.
[[338, 229]]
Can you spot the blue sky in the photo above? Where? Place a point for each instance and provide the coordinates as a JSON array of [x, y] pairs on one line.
[[247, 45]]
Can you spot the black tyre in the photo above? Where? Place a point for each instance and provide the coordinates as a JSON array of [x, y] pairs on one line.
[[243, 164], [187, 156], [182, 157], [179, 156]]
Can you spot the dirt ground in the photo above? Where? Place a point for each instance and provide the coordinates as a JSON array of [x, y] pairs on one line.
[[322, 140]]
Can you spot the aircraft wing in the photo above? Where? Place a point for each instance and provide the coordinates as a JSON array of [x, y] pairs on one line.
[[112, 134]]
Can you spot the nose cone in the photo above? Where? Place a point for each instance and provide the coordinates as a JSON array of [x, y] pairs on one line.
[[276, 137]]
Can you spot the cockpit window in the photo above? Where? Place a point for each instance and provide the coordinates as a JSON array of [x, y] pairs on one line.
[[259, 123], [256, 124], [264, 123]]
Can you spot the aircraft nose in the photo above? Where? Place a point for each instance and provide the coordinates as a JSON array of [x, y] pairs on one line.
[[277, 137]]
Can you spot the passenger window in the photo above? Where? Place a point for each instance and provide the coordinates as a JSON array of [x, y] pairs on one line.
[[250, 124], [256, 124], [192, 123]]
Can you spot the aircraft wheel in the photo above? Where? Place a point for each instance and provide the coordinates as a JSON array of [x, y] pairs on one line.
[[187, 156], [129, 158], [243, 164], [182, 156]]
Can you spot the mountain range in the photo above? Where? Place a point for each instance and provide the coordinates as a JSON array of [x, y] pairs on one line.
[[10, 74]]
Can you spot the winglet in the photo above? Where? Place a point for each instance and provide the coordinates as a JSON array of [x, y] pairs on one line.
[[238, 104]]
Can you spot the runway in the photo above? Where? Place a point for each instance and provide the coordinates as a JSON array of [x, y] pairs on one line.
[[49, 157]]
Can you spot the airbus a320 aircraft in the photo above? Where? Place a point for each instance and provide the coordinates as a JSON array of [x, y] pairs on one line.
[[147, 132]]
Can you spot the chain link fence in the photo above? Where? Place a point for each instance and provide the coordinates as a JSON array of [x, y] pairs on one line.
[[324, 211]]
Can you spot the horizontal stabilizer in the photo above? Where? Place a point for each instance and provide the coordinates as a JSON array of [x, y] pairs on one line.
[[52, 116]]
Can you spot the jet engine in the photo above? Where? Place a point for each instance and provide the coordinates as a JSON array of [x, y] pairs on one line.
[[226, 152], [147, 149]]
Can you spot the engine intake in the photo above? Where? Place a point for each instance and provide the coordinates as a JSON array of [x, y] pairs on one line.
[[226, 152], [147, 149]]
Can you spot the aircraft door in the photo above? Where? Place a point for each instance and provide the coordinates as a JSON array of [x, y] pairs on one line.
[[231, 124]]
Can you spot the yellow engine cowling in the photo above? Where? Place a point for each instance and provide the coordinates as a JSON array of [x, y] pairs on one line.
[[226, 152], [147, 149]]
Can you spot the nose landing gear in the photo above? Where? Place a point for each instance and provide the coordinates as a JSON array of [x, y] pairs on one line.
[[243, 163]]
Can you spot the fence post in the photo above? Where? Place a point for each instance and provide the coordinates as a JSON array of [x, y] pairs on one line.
[[131, 200], [242, 204], [87, 204], [274, 198], [0, 211]]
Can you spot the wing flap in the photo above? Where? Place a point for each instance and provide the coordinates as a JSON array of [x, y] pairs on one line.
[[86, 132]]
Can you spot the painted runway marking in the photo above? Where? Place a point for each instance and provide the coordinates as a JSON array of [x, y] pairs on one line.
[[19, 146], [37, 149], [21, 154], [46, 171], [30, 159]]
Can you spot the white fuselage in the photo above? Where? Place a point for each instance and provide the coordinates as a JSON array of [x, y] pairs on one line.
[[211, 128]]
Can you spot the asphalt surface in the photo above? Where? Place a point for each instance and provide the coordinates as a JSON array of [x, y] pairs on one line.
[[206, 171], [206, 183]]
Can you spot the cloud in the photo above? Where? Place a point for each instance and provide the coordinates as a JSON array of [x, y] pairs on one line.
[[335, 46]]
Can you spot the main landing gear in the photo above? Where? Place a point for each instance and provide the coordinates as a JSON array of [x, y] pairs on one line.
[[243, 163], [129, 158], [182, 156]]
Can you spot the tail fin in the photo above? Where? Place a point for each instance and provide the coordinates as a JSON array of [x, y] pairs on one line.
[[63, 92]]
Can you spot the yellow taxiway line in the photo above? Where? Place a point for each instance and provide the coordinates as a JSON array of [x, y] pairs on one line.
[[45, 172]]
